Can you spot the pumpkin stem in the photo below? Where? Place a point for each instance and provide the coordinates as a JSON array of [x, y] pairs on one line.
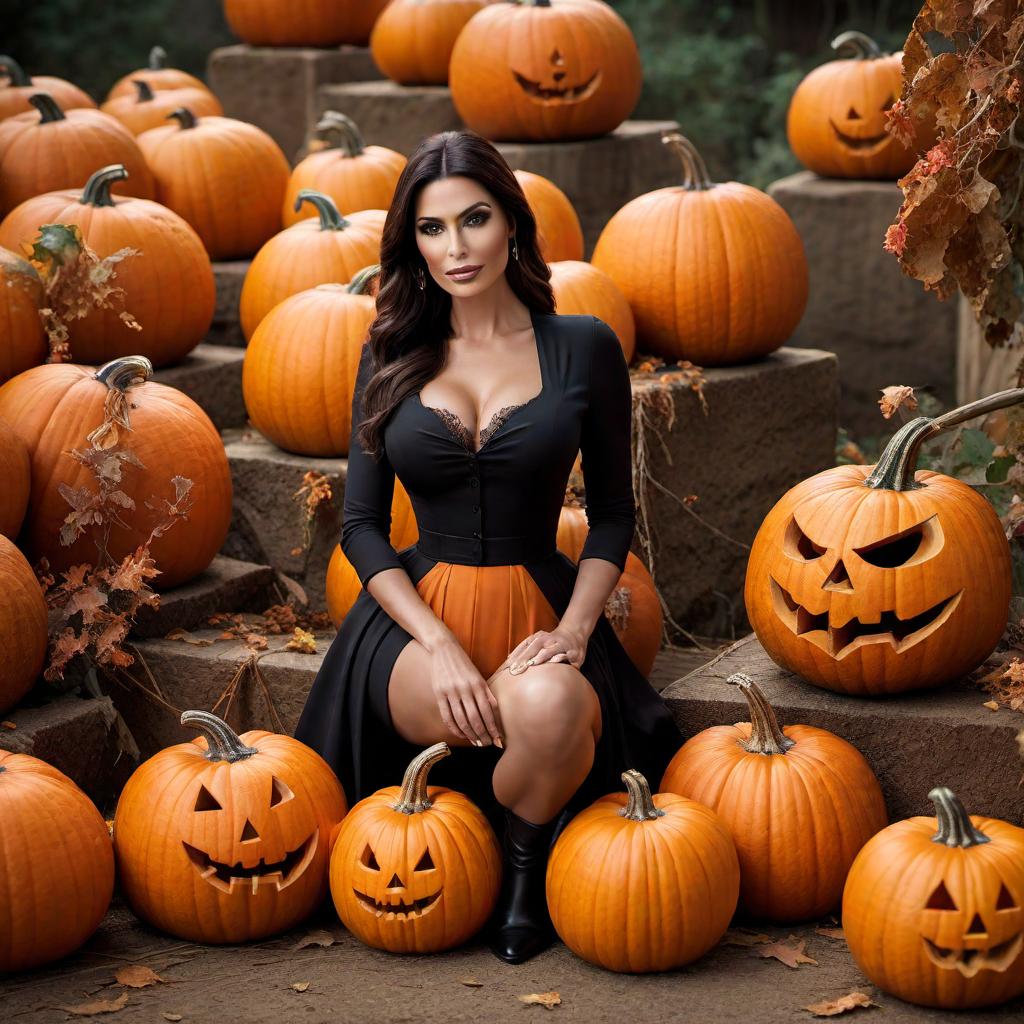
[[184, 117], [47, 106], [362, 279], [145, 93], [766, 735], [413, 798], [97, 188], [157, 56], [955, 825], [223, 742], [330, 218], [858, 45], [640, 805], [897, 465], [121, 374], [15, 72], [695, 171], [333, 124]]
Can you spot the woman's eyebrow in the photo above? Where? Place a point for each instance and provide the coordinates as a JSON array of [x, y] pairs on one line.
[[463, 214]]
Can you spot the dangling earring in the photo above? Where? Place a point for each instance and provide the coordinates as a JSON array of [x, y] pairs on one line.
[[515, 250], [420, 279]]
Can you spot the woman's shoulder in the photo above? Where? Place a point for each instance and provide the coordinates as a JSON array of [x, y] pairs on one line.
[[579, 328]]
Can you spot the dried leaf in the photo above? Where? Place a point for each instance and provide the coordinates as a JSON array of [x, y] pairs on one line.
[[549, 1000], [895, 397], [830, 1008], [300, 986], [187, 637], [137, 976], [992, 705], [471, 983], [255, 642], [831, 933], [742, 937], [97, 1006], [316, 938], [7, 725], [171, 1016], [791, 952], [302, 640]]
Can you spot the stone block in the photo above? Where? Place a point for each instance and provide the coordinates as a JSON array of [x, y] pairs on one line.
[[211, 375], [267, 524], [229, 276], [885, 328], [275, 87], [769, 425], [913, 742], [226, 585]]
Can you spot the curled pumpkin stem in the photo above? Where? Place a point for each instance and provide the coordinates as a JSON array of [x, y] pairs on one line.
[[223, 742], [640, 805], [766, 735], [955, 827], [413, 798]]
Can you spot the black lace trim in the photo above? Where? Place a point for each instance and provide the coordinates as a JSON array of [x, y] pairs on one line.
[[464, 435]]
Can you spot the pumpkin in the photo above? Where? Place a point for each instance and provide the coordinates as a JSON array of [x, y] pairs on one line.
[[156, 76], [303, 22], [168, 282], [54, 407], [714, 273], [56, 864], [354, 175], [800, 803], [642, 883], [15, 471], [415, 869], [14, 95], [582, 288], [318, 250], [837, 117], [21, 298], [879, 579], [559, 233], [22, 626], [343, 584], [146, 108], [545, 71], [227, 838], [54, 150], [225, 177], [932, 908], [300, 367], [412, 40]]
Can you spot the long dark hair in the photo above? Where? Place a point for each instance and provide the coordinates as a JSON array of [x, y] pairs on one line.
[[409, 337]]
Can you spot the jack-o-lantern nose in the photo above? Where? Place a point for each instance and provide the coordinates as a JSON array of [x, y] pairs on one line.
[[556, 56], [396, 883], [852, 115], [249, 832], [977, 927], [838, 579]]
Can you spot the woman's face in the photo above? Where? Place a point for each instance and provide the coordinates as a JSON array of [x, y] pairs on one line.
[[460, 224]]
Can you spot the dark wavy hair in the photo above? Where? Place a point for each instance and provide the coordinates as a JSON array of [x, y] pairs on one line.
[[409, 338]]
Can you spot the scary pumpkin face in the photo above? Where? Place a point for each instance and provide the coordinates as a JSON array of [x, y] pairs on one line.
[[227, 838], [385, 893]]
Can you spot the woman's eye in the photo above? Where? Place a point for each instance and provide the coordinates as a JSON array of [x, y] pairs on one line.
[[474, 216]]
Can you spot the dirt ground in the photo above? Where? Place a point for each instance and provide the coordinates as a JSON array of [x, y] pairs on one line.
[[347, 982]]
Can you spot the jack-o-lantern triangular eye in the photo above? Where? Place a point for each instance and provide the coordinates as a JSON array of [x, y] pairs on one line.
[[940, 899], [426, 862], [916, 543], [799, 546], [1006, 900], [206, 801], [279, 792], [369, 860]]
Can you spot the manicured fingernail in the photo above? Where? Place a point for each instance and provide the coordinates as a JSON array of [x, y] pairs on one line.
[[499, 744], [478, 743]]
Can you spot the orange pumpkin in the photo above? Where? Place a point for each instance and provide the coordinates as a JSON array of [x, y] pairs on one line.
[[725, 282], [879, 579], [354, 175], [168, 282], [582, 288], [322, 250], [299, 373], [225, 177], [227, 838], [559, 233], [415, 869], [21, 297], [14, 94], [15, 471], [56, 864], [545, 71], [148, 108], [156, 76], [54, 407], [303, 22], [933, 909], [837, 117], [54, 150], [22, 627], [769, 785], [642, 883]]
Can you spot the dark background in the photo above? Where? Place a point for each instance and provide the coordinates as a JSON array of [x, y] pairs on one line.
[[724, 70]]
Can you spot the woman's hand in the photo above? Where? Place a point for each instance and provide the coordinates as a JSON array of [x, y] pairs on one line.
[[467, 706], [560, 644]]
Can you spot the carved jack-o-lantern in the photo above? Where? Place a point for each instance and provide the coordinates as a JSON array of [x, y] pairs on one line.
[[415, 869], [947, 895], [872, 580], [227, 838], [544, 70]]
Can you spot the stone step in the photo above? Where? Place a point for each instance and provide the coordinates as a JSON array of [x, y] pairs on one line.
[[229, 276], [943, 737], [885, 328], [275, 87], [211, 375]]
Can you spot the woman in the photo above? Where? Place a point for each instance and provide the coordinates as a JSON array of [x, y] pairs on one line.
[[482, 634]]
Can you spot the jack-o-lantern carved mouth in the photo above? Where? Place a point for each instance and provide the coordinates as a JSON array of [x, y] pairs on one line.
[[866, 146], [839, 641], [970, 961], [397, 910], [280, 874], [557, 94]]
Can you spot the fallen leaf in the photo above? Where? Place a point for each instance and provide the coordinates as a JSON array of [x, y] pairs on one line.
[[317, 938], [831, 933], [829, 1008], [471, 983], [136, 976], [300, 986], [790, 955], [992, 705], [181, 634], [171, 1016], [896, 396], [8, 725], [549, 1000], [741, 937], [255, 642], [302, 640], [97, 1006]]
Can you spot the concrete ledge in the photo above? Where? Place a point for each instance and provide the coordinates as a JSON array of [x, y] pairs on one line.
[[211, 376], [943, 737], [229, 276]]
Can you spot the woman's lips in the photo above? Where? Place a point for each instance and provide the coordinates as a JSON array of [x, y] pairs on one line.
[[464, 275]]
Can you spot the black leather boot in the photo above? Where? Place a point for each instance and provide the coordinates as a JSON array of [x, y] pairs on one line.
[[521, 927]]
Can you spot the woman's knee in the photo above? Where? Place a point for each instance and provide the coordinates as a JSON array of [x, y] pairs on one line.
[[551, 701], [412, 705]]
